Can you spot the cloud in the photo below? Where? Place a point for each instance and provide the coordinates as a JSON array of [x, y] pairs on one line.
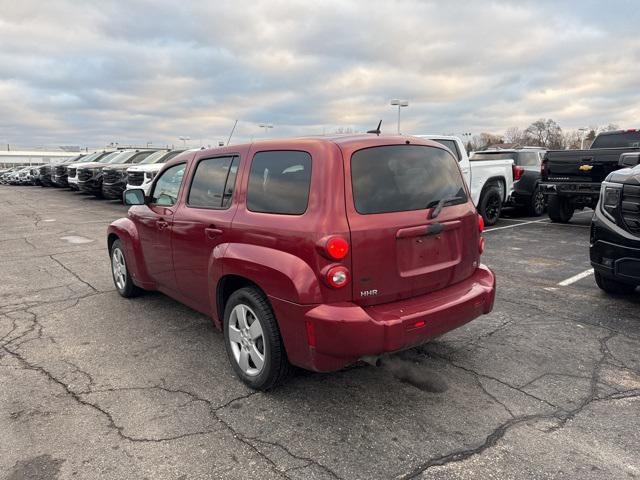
[[135, 71]]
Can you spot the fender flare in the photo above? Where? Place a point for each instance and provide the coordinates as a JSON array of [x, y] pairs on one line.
[[125, 230], [283, 275]]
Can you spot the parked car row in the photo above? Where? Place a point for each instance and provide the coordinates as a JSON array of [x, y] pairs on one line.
[[19, 176], [104, 174]]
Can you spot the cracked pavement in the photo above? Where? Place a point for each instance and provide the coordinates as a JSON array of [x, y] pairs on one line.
[[96, 386]]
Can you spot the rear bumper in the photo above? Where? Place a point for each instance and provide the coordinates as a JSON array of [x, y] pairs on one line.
[[571, 189], [346, 332]]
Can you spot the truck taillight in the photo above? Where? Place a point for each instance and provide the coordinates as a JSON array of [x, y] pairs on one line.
[[544, 168], [337, 276], [480, 224], [517, 172]]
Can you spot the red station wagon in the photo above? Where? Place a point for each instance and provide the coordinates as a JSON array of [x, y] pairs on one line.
[[314, 252]]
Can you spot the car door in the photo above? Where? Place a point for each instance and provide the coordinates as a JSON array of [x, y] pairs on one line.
[[155, 223], [201, 227]]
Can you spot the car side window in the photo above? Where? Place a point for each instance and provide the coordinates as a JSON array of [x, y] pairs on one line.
[[166, 188], [279, 182], [213, 183]]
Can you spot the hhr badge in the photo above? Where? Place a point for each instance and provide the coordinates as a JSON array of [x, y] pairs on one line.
[[368, 293]]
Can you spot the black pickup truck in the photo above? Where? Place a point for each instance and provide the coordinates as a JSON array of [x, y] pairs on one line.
[[571, 179]]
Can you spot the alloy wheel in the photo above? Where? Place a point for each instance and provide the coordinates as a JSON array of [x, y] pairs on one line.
[[119, 268], [247, 340]]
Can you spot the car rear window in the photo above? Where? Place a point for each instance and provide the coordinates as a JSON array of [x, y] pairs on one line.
[[279, 182], [617, 140], [399, 178]]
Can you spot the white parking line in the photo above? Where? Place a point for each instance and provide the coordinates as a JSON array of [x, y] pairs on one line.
[[516, 225], [543, 220], [575, 278]]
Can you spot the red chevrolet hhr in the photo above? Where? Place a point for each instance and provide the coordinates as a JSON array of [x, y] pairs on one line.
[[314, 252]]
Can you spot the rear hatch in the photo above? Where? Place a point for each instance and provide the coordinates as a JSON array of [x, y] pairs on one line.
[[582, 165], [397, 250]]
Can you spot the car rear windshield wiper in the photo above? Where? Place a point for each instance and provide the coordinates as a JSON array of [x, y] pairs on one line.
[[439, 204]]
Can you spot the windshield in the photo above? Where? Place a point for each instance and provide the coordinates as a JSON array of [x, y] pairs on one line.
[[398, 178], [617, 140], [153, 158], [108, 158], [122, 157]]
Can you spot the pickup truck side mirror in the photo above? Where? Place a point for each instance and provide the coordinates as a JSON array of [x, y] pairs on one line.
[[134, 196], [629, 159]]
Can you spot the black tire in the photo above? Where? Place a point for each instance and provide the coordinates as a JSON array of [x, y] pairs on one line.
[[276, 367], [124, 283], [560, 209], [490, 205], [537, 203], [612, 286]]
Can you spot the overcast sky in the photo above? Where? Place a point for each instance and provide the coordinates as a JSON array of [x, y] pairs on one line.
[[95, 72]]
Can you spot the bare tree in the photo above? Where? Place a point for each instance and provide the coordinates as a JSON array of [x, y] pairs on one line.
[[482, 141], [573, 139], [546, 133], [516, 135]]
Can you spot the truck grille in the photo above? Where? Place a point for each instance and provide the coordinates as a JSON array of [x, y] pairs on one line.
[[85, 174], [111, 176], [135, 178], [43, 170], [71, 171], [631, 208], [60, 170]]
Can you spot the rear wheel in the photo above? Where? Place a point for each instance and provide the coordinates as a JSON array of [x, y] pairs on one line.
[[612, 286], [560, 209], [536, 203], [253, 342], [121, 276], [490, 205]]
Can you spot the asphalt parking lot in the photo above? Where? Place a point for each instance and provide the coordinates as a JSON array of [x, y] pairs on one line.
[[96, 386]]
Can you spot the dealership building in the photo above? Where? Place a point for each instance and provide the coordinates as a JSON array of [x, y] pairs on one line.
[[12, 158]]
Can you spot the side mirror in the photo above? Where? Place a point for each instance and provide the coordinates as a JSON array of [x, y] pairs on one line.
[[629, 159], [134, 196]]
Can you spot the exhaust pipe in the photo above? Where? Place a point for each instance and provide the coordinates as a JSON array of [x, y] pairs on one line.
[[374, 360]]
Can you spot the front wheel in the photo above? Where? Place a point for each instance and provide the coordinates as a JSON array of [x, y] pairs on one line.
[[253, 342], [121, 276], [560, 209], [490, 205], [612, 286]]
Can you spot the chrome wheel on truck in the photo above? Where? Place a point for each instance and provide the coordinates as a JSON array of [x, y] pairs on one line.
[[252, 338]]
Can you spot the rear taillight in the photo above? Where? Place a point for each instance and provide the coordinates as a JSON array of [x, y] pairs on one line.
[[337, 248], [517, 172], [337, 276], [544, 168], [480, 224]]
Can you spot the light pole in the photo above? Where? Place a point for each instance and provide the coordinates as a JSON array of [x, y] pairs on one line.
[[399, 104], [184, 141], [266, 127], [582, 130]]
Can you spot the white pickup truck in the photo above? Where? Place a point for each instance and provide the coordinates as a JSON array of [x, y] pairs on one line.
[[490, 182]]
